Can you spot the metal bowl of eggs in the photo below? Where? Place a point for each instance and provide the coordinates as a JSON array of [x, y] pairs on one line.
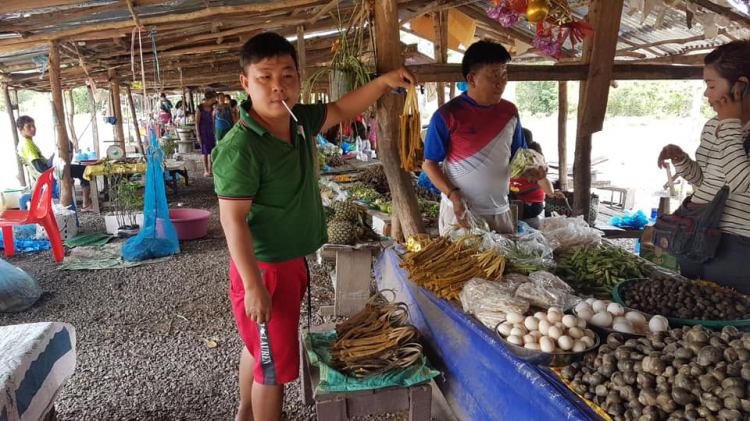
[[548, 338], [605, 317]]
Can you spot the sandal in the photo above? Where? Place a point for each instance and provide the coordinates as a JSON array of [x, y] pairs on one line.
[[206, 174], [86, 209]]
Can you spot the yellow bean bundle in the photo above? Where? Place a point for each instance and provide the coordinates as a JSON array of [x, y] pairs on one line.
[[411, 152]]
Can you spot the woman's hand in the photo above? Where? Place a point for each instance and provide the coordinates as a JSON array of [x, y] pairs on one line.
[[399, 78], [672, 152]]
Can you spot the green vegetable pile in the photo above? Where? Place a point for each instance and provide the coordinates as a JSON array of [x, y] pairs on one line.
[[363, 191], [596, 271], [429, 208]]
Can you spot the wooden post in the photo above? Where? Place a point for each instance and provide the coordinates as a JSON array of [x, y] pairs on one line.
[[114, 83], [94, 120], [134, 116], [302, 62], [388, 109], [18, 107], [562, 133], [63, 148], [9, 106], [599, 52], [192, 102], [71, 114], [440, 45]]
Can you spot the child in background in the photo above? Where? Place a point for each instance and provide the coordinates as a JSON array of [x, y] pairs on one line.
[[204, 123]]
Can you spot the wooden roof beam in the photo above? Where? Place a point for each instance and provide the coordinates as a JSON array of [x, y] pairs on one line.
[[723, 11], [133, 13], [433, 6], [323, 10]]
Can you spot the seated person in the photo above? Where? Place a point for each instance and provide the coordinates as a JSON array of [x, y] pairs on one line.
[[36, 163]]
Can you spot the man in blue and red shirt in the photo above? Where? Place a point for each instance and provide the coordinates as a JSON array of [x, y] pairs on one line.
[[475, 135]]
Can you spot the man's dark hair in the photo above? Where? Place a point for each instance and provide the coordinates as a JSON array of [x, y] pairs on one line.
[[481, 53], [233, 103], [23, 120], [358, 129], [266, 45], [163, 95]]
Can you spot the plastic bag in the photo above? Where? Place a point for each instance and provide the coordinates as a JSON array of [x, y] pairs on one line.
[[490, 301], [18, 290], [532, 252], [331, 192], [526, 159], [157, 237], [569, 232], [630, 219], [547, 290]]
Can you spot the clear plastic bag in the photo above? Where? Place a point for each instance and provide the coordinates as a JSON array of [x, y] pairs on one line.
[[569, 232], [490, 301], [331, 192], [524, 160], [547, 290], [532, 252], [549, 281]]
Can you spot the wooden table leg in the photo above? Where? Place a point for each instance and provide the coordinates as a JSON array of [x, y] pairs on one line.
[[420, 403], [95, 194], [353, 278]]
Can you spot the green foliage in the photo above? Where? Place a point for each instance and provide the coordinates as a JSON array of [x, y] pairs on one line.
[[537, 98], [657, 99], [80, 100]]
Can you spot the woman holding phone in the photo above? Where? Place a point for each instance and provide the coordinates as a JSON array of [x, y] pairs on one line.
[[722, 160]]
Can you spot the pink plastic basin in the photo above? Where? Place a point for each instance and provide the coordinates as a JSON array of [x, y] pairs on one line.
[[190, 223]]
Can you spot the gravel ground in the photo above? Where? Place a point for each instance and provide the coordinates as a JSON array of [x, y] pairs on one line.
[[142, 332]]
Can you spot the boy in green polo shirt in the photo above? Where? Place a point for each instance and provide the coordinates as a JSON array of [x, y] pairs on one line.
[[271, 212]]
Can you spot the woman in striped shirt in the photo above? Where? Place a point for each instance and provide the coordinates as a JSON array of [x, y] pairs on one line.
[[722, 160]]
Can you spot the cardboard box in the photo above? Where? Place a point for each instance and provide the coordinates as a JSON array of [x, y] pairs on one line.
[[656, 254]]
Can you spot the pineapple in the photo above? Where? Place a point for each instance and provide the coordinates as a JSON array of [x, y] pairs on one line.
[[345, 211], [341, 232]]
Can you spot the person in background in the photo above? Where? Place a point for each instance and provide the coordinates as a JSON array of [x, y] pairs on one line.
[[372, 137], [235, 111], [722, 160], [165, 109], [532, 193], [179, 112], [36, 163], [358, 130], [475, 135], [222, 118], [332, 134], [204, 129]]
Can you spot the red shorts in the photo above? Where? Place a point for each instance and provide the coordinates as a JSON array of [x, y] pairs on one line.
[[275, 346]]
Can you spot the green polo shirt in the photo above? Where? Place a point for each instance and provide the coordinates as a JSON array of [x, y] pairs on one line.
[[287, 218]]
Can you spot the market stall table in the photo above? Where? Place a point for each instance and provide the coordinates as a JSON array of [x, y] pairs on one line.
[[98, 171], [482, 380]]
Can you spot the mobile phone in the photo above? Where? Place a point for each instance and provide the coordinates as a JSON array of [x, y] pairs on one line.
[[741, 86]]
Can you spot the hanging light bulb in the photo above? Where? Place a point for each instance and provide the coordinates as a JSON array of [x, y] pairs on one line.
[[537, 10]]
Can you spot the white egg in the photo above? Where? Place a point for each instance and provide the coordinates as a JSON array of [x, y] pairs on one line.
[[554, 332], [544, 326], [547, 344], [615, 309], [579, 346], [504, 329], [522, 327], [565, 342], [636, 318], [658, 324], [588, 342], [531, 323], [590, 301], [569, 320], [582, 306], [532, 345], [515, 340], [599, 306], [518, 332], [586, 314], [536, 334], [623, 326], [554, 316], [589, 333], [575, 333], [619, 319], [554, 310], [540, 315], [602, 319], [514, 318], [581, 324], [529, 339]]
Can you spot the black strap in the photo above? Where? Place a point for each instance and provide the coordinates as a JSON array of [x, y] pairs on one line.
[[513, 194], [309, 296]]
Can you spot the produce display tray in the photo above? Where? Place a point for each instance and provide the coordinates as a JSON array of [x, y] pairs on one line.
[[676, 321], [560, 359]]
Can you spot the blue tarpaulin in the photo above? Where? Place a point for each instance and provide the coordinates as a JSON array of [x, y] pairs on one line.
[[482, 380]]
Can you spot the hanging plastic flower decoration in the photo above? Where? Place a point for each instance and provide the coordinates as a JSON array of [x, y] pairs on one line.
[[505, 16]]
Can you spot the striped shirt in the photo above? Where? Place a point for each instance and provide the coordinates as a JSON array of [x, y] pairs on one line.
[[721, 159]]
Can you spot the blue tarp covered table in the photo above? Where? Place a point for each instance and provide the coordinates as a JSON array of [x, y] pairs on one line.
[[482, 380]]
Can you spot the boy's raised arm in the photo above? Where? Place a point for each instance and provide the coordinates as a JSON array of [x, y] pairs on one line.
[[356, 101]]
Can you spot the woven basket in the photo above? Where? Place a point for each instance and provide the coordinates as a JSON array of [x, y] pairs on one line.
[[553, 204]]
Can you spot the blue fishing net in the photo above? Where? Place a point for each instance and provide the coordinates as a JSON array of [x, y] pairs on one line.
[[157, 237]]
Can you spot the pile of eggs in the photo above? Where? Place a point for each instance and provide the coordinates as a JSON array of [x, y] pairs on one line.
[[550, 332], [611, 315]]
